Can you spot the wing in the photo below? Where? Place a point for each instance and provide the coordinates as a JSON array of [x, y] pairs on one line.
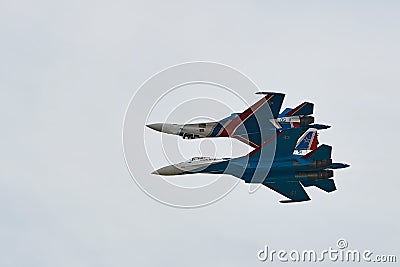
[[251, 125], [292, 190], [328, 185]]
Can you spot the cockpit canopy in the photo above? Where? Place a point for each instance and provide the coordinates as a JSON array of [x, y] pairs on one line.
[[200, 158]]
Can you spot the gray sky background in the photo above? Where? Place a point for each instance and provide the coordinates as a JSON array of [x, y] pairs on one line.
[[69, 69]]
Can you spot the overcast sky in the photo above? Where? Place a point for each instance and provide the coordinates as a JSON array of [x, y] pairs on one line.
[[68, 70]]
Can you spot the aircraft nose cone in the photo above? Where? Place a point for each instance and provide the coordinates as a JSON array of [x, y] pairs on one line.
[[168, 170], [156, 126]]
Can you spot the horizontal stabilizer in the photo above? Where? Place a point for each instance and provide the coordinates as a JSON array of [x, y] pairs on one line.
[[304, 108], [292, 190], [322, 152], [328, 185]]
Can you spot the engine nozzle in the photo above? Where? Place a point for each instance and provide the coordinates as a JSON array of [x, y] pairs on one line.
[[318, 175]]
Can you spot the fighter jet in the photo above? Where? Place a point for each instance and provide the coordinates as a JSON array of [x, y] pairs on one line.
[[282, 171], [251, 126]]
